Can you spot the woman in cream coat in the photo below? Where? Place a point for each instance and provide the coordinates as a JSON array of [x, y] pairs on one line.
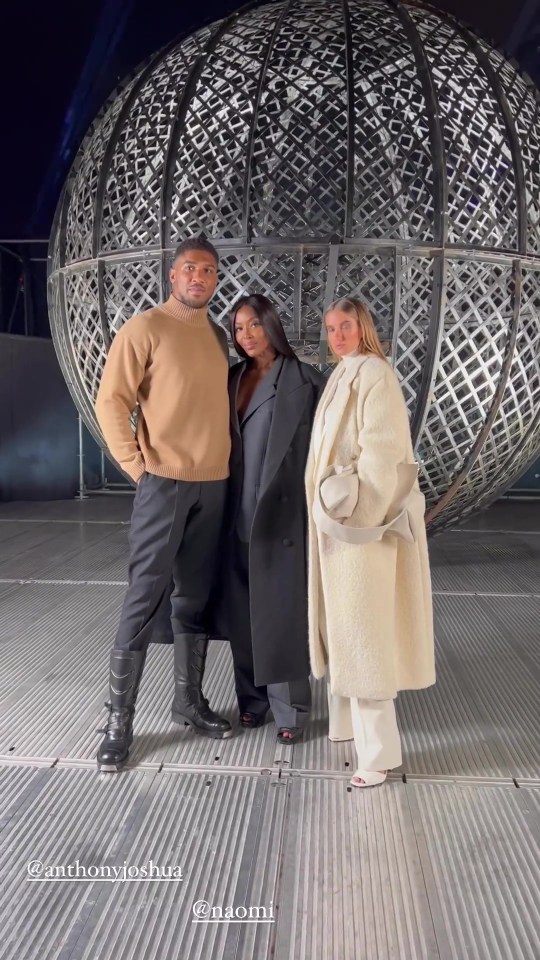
[[370, 612]]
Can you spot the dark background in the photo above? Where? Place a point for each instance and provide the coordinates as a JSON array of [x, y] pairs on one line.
[[59, 62]]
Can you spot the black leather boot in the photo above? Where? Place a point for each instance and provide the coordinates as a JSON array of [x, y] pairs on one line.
[[124, 677], [189, 705]]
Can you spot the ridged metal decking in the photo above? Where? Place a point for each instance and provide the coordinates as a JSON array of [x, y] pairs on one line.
[[441, 862]]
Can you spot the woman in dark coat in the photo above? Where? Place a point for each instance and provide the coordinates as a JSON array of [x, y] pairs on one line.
[[263, 581]]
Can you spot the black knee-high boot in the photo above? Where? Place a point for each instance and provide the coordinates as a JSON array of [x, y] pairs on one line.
[[125, 673], [189, 705]]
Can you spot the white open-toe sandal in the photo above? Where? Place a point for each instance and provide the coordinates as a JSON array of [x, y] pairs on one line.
[[370, 778]]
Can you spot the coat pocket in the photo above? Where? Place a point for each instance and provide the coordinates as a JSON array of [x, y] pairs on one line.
[[405, 518]]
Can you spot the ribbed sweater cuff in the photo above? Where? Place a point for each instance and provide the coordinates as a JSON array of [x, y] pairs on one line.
[[134, 469]]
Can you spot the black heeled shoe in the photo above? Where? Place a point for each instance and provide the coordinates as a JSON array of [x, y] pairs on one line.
[[294, 734], [251, 720]]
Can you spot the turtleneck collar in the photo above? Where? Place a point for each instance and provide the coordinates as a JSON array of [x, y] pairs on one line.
[[192, 316], [349, 358]]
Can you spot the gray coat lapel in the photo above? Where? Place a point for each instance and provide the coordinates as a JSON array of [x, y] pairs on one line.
[[291, 397], [233, 394]]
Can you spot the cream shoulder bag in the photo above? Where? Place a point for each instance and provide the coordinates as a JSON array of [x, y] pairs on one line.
[[336, 496]]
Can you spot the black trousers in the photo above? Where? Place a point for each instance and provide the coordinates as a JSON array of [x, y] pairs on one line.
[[290, 701], [175, 530]]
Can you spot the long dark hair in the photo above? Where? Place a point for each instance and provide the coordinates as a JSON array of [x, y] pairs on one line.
[[267, 315]]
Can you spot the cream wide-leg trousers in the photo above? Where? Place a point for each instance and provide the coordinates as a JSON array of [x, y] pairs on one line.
[[373, 726]]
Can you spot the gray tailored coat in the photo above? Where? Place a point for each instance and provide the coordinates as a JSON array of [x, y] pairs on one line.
[[266, 507]]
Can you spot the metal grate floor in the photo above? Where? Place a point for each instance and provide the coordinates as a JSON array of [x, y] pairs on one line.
[[442, 862]]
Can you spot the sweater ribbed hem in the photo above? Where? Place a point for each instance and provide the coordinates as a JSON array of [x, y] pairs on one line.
[[191, 316], [193, 474]]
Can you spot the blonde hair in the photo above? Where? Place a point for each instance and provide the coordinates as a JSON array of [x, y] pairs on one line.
[[369, 338]]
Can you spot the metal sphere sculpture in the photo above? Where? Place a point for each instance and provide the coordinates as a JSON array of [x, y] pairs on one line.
[[366, 147]]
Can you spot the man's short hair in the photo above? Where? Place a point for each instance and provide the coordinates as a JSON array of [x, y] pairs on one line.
[[196, 243]]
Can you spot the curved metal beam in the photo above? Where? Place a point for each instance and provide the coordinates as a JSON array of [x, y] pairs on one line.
[[102, 180], [521, 231], [440, 231], [474, 453], [113, 141], [513, 137], [246, 229], [172, 149], [498, 483], [351, 140]]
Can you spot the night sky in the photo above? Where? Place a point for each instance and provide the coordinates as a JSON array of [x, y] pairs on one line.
[[60, 60]]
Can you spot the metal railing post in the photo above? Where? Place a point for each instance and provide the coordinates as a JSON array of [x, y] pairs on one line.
[[103, 477], [82, 495]]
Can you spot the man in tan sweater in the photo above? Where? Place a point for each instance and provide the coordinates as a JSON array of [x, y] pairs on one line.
[[169, 363]]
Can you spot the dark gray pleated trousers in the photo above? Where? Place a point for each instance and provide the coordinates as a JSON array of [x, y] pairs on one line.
[[175, 531], [290, 701]]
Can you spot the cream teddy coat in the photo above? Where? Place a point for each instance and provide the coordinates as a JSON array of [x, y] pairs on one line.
[[370, 608]]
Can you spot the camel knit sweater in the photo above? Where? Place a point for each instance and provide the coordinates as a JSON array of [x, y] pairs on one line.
[[169, 364]]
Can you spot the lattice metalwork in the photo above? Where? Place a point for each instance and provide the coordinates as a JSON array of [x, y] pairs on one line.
[[128, 288], [482, 201], [393, 165], [475, 331], [525, 108], [414, 284], [331, 147], [79, 206], [371, 277], [133, 178]]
